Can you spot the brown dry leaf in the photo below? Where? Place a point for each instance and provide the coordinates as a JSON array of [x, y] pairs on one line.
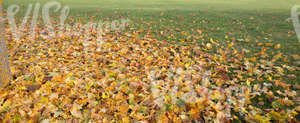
[[297, 108], [292, 76], [75, 111], [296, 57], [297, 63], [32, 87]]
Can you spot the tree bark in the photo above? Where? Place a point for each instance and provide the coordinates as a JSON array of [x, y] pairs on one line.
[[4, 65]]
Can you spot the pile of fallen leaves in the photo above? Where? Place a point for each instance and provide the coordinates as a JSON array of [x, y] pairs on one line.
[[125, 78]]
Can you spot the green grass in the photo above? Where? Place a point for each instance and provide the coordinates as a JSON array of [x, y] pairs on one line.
[[255, 20], [215, 5]]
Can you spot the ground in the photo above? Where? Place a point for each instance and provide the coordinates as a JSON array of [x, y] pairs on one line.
[[243, 43]]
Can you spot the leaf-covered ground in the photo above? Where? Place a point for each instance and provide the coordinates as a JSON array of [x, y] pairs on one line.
[[127, 77], [178, 61]]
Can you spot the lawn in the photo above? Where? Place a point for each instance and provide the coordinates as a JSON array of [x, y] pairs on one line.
[[260, 30], [242, 19]]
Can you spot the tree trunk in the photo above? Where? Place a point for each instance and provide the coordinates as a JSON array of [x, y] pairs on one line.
[[4, 65]]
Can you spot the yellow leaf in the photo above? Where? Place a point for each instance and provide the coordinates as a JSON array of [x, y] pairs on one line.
[[126, 120], [209, 46], [199, 31], [297, 108], [278, 56], [104, 95], [123, 108], [248, 82], [253, 59], [230, 44], [216, 95], [226, 36], [269, 44], [44, 100], [261, 119], [277, 46]]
